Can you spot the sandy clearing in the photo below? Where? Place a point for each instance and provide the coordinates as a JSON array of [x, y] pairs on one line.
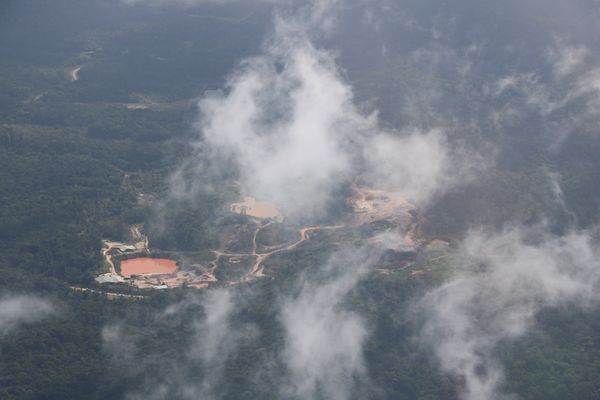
[[257, 209], [372, 205]]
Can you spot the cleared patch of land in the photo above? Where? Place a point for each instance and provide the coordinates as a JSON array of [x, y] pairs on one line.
[[378, 207], [371, 205], [253, 208], [389, 223], [145, 272]]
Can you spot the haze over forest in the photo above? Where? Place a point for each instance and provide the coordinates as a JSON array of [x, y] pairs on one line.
[[286, 199]]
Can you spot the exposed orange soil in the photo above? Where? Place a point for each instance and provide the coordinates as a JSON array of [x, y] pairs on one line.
[[147, 266]]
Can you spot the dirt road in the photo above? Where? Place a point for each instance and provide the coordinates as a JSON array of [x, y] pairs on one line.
[[257, 269], [109, 295], [107, 257]]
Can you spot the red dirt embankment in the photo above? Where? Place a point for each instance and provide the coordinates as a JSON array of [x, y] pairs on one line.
[[147, 266]]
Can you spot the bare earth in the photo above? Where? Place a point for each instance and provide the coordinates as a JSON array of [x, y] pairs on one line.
[[253, 208], [372, 205], [148, 276], [369, 206]]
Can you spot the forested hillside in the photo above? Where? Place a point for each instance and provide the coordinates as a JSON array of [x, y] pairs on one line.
[[157, 114]]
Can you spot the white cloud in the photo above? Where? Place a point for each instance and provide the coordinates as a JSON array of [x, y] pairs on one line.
[[504, 281], [567, 101], [290, 122], [19, 310], [566, 59], [189, 3], [324, 343], [284, 127], [214, 339], [417, 165]]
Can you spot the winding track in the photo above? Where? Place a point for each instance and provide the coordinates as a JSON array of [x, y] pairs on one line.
[[257, 269]]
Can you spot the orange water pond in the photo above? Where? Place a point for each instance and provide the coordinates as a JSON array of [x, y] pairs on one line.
[[147, 266]]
